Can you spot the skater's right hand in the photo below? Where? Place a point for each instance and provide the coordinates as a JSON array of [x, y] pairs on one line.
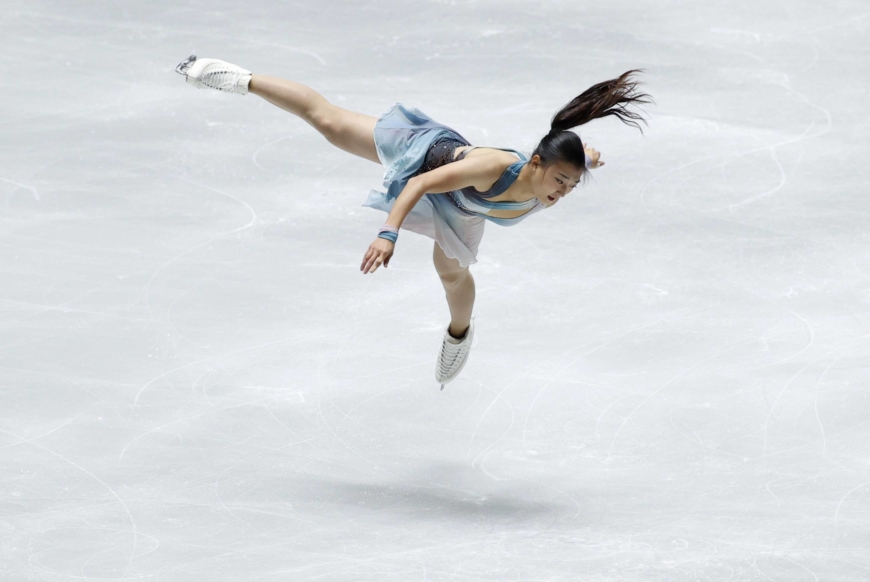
[[379, 253], [596, 157]]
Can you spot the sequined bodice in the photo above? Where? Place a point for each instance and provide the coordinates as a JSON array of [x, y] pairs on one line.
[[469, 199]]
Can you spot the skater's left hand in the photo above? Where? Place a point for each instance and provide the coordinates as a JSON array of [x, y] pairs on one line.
[[596, 156], [380, 252]]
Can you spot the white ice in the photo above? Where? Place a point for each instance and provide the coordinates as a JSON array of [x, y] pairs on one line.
[[670, 375]]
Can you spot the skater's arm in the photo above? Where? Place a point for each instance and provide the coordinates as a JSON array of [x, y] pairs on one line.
[[478, 171]]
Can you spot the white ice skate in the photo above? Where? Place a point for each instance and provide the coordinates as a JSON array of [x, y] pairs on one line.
[[214, 74], [454, 354]]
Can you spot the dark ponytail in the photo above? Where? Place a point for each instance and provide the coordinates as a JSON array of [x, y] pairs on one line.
[[608, 98]]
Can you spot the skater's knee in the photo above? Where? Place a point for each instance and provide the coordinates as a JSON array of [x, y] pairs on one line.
[[451, 273], [333, 122], [454, 279], [328, 125]]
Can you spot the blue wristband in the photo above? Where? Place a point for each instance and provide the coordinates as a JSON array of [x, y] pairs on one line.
[[390, 236]]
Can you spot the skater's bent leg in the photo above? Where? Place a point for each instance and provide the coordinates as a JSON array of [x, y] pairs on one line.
[[459, 288], [353, 132]]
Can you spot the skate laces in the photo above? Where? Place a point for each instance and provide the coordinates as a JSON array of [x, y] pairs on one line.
[[451, 354], [222, 77]]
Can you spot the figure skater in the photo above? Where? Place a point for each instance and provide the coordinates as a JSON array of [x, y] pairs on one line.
[[438, 184]]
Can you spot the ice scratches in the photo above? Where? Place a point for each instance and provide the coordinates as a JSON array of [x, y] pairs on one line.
[[550, 487], [295, 338], [780, 79], [231, 197], [290, 430], [249, 224], [837, 24], [799, 565], [164, 374], [53, 510], [32, 557], [39, 436], [524, 373], [812, 336], [816, 392], [297, 396], [347, 415], [782, 176], [498, 396], [30, 189], [140, 27], [571, 363], [216, 487], [204, 379], [769, 490], [828, 124], [188, 418], [777, 554], [101, 482], [744, 34], [63, 308], [848, 493], [178, 298], [767, 421], [694, 434], [662, 387], [268, 144], [321, 384], [438, 549]]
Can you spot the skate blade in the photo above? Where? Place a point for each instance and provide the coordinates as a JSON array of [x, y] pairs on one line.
[[185, 65]]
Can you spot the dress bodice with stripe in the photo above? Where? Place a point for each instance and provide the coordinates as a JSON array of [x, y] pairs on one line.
[[471, 200]]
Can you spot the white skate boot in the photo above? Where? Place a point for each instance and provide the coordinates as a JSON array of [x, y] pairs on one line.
[[214, 74], [454, 354]]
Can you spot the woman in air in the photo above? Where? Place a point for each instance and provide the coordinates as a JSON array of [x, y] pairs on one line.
[[438, 184]]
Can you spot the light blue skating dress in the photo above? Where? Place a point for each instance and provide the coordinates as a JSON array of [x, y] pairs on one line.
[[454, 219]]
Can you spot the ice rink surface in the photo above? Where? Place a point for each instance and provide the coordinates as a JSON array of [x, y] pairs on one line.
[[670, 372]]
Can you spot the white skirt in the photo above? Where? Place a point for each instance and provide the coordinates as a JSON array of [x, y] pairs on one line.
[[402, 138]]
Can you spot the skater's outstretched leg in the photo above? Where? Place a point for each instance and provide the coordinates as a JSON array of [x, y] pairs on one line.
[[353, 132]]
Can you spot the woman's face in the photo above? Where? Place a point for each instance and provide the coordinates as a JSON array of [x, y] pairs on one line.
[[552, 183]]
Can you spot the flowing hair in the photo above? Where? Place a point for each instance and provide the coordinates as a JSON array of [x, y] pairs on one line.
[[608, 98]]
